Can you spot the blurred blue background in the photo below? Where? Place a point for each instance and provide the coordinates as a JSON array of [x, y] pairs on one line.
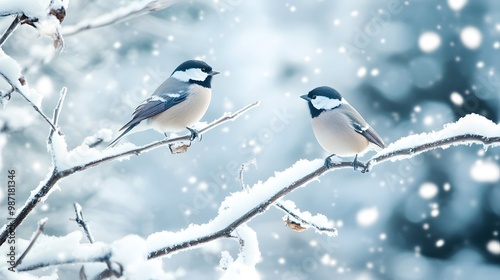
[[407, 66]]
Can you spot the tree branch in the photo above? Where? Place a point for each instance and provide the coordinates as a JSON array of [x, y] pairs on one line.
[[21, 92], [45, 186], [154, 145], [12, 27], [41, 228], [81, 222]]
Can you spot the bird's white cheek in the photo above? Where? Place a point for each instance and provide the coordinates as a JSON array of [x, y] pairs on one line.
[[191, 74], [325, 103]]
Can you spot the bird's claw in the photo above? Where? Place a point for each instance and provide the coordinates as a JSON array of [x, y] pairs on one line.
[[355, 163], [194, 134], [328, 162]]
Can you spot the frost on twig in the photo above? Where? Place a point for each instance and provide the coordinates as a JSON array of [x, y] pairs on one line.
[[40, 229], [132, 10], [242, 169], [302, 220], [81, 222]]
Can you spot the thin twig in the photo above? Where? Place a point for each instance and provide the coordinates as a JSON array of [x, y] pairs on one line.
[[57, 109], [29, 101], [151, 146], [134, 9], [303, 221], [12, 27], [56, 175], [41, 228], [81, 222], [241, 171], [55, 120]]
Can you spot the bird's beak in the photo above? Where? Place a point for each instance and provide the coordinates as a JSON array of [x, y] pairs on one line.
[[213, 73], [305, 97]]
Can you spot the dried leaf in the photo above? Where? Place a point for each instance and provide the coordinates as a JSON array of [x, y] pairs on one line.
[[294, 225], [179, 148]]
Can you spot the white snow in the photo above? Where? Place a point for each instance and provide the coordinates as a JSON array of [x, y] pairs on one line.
[[82, 154], [17, 118], [428, 190], [440, 243], [361, 72], [469, 124], [471, 37], [49, 249], [493, 247], [367, 216], [429, 41], [456, 98], [46, 24], [131, 253], [485, 172], [31, 8], [105, 134], [11, 71], [244, 265], [457, 5], [225, 260]]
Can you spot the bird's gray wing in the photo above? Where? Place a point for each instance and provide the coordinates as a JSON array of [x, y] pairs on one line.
[[360, 125], [168, 94]]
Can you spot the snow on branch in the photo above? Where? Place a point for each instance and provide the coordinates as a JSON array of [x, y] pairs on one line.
[[44, 15], [132, 10], [82, 157], [244, 265], [81, 222], [239, 208], [303, 220]]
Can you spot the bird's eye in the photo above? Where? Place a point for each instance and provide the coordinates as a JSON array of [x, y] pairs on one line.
[[313, 97], [204, 69]]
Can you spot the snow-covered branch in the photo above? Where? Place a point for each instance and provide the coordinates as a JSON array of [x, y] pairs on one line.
[[239, 208], [303, 220], [82, 157], [40, 229], [12, 27], [81, 222], [44, 15], [132, 10]]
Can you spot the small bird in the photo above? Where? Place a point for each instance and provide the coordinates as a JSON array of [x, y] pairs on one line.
[[338, 127], [178, 103]]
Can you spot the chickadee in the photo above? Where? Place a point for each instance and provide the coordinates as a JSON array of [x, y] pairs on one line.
[[338, 127], [177, 104]]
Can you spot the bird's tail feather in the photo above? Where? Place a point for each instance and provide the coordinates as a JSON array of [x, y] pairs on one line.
[[114, 142]]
